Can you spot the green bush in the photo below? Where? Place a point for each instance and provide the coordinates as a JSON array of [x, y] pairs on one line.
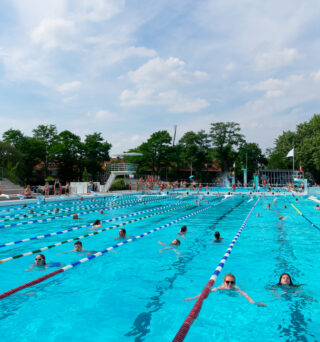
[[118, 184]]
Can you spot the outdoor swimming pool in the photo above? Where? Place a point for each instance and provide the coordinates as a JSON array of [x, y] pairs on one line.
[[136, 293]]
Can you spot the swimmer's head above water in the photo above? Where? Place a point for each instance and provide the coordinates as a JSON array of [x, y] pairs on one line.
[[40, 260], [229, 281], [122, 233], [285, 279], [183, 229], [175, 242], [78, 246]]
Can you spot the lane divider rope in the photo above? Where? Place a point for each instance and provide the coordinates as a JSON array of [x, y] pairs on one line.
[[79, 227], [180, 336], [98, 254], [64, 216], [315, 226], [89, 234]]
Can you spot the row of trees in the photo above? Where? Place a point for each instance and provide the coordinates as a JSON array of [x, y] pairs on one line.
[[28, 158], [306, 142], [224, 146]]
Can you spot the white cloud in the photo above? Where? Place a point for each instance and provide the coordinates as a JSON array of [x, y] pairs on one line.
[[189, 106], [276, 59], [315, 75], [230, 66], [157, 82], [69, 86], [159, 73], [52, 33], [97, 10], [104, 114]]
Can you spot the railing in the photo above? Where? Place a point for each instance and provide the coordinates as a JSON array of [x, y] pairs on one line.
[[122, 167]]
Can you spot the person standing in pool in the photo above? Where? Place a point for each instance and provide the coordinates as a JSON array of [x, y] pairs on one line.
[[229, 283]]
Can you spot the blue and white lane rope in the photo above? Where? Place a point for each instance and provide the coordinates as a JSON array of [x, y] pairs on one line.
[[193, 314], [39, 250], [79, 227], [98, 254], [98, 206], [69, 215], [313, 225]]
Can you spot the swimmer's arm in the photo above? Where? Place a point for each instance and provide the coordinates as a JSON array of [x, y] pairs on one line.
[[30, 268], [250, 300], [212, 290], [176, 251], [67, 252], [161, 250], [161, 243]]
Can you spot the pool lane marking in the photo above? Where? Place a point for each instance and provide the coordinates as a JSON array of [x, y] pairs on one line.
[[90, 234], [315, 226], [69, 209], [59, 202], [80, 213], [79, 227], [98, 254], [193, 314], [64, 216]]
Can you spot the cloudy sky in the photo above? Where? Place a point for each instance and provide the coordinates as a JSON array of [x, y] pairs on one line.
[[128, 68]]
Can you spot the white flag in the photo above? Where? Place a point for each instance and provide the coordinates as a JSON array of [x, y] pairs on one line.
[[291, 153]]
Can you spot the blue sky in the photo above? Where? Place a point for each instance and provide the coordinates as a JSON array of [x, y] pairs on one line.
[[130, 68]]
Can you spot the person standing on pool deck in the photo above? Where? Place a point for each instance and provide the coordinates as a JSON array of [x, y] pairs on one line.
[[229, 283]]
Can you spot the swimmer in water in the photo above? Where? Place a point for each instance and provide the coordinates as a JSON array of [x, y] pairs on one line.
[[183, 231], [122, 233], [78, 248], [56, 210], [101, 211], [172, 246], [75, 217], [268, 206], [288, 287], [97, 224], [39, 263], [229, 283], [217, 237], [258, 215]]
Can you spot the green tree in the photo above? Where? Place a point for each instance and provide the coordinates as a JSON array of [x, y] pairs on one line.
[[96, 151], [33, 153], [46, 134], [195, 150], [306, 143], [67, 151], [156, 153], [225, 138]]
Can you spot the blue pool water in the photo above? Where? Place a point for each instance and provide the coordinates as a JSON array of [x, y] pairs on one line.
[[136, 292]]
